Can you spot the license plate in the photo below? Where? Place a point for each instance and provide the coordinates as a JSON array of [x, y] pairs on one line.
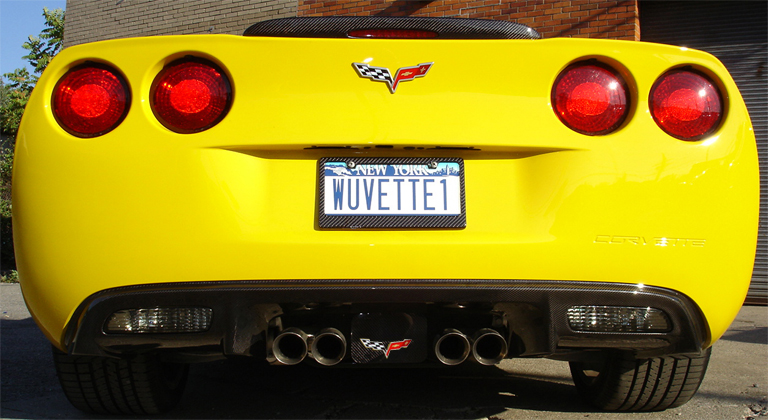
[[391, 193]]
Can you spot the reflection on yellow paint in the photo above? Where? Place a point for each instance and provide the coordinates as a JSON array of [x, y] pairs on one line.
[[240, 200]]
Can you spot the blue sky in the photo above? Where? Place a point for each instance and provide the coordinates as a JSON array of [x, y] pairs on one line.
[[18, 20]]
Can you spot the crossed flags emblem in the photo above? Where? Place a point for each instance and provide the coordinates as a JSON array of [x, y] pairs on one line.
[[382, 74], [384, 346]]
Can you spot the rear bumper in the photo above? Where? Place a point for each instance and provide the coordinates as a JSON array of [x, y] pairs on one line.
[[531, 314]]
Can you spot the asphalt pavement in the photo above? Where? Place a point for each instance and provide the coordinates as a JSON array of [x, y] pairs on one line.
[[735, 387]]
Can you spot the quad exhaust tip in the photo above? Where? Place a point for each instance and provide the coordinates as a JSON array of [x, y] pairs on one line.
[[329, 347], [489, 347], [452, 347], [293, 345], [290, 346]]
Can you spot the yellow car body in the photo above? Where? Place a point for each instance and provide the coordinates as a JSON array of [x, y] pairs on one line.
[[143, 205]]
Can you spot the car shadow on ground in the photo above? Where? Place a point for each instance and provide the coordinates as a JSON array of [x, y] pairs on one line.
[[757, 335], [246, 388], [240, 388]]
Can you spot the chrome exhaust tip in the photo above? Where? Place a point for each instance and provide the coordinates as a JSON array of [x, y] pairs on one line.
[[329, 347], [489, 347], [452, 347], [290, 346]]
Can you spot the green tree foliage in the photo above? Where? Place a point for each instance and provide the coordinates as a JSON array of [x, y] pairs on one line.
[[14, 94], [7, 260], [6, 166], [3, 93], [42, 49]]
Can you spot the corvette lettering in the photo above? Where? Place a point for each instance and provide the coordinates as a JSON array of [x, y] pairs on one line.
[[384, 346], [382, 74], [655, 241]]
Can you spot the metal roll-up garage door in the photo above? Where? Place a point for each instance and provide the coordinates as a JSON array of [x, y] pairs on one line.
[[736, 32]]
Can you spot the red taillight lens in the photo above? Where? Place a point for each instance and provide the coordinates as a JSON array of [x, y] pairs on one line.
[[686, 105], [392, 33], [90, 100], [590, 99], [191, 95]]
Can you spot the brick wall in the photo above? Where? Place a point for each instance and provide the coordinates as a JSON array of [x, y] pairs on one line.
[[96, 20], [576, 18]]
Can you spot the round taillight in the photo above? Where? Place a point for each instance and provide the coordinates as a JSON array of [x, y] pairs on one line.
[[686, 105], [90, 100], [590, 98], [190, 95]]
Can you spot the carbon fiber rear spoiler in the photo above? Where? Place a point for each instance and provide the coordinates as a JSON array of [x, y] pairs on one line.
[[341, 26]]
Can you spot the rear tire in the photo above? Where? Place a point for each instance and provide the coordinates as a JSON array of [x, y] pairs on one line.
[[141, 384], [622, 383]]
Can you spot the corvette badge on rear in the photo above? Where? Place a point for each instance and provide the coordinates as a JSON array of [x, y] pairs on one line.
[[385, 347]]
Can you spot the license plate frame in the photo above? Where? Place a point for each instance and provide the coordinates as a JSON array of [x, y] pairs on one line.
[[457, 220]]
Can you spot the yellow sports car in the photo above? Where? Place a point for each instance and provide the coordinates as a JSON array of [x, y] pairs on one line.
[[357, 191]]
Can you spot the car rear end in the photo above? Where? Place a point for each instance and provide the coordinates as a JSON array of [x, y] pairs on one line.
[[218, 220]]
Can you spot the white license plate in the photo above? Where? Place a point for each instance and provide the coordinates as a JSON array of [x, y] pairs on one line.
[[385, 187]]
